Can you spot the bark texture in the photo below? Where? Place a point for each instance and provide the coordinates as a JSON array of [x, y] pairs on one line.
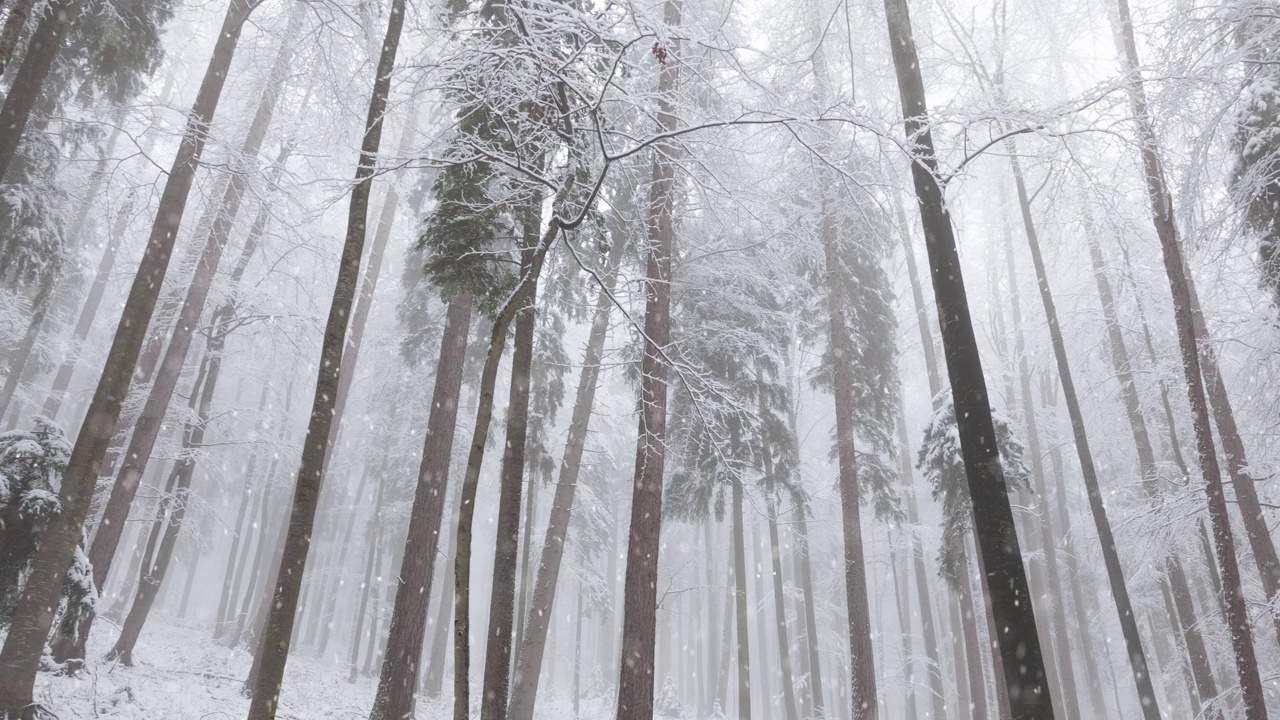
[[1162, 214], [280, 618], [640, 600], [398, 679], [996, 537], [22, 649]]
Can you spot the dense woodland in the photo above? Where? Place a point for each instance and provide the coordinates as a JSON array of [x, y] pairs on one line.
[[781, 359]]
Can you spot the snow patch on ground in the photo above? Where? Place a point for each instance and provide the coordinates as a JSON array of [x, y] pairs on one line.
[[181, 673]]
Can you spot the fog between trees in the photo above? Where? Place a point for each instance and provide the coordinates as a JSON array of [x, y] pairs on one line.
[[685, 359]]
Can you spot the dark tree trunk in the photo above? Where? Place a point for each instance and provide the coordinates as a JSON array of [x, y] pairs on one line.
[[266, 691], [19, 11], [639, 596], [46, 42], [502, 600], [1255, 523], [475, 458], [1185, 617], [150, 422], [1166, 230], [530, 658], [25, 643], [1111, 558], [993, 518], [396, 684], [184, 469]]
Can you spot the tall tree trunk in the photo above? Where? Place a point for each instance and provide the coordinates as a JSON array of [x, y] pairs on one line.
[[1190, 640], [42, 50], [184, 469], [640, 601], [266, 692], [1255, 523], [780, 606], [396, 684], [1166, 230], [19, 11], [740, 603], [502, 600], [1111, 558], [993, 518], [150, 422], [810, 611], [328, 579], [25, 642], [358, 634], [530, 658], [862, 678], [475, 458], [22, 354], [927, 620]]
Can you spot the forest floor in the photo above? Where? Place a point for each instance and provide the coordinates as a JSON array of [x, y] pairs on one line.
[[181, 673]]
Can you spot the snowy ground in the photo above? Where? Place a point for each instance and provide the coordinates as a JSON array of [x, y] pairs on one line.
[[180, 673]]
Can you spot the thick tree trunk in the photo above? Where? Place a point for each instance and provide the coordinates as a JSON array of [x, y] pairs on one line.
[[1184, 311], [740, 604], [993, 518], [25, 642], [532, 650], [266, 692], [19, 11], [640, 601], [46, 42], [396, 684]]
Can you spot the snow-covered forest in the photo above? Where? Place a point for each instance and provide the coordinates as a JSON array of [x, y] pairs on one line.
[[636, 359]]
